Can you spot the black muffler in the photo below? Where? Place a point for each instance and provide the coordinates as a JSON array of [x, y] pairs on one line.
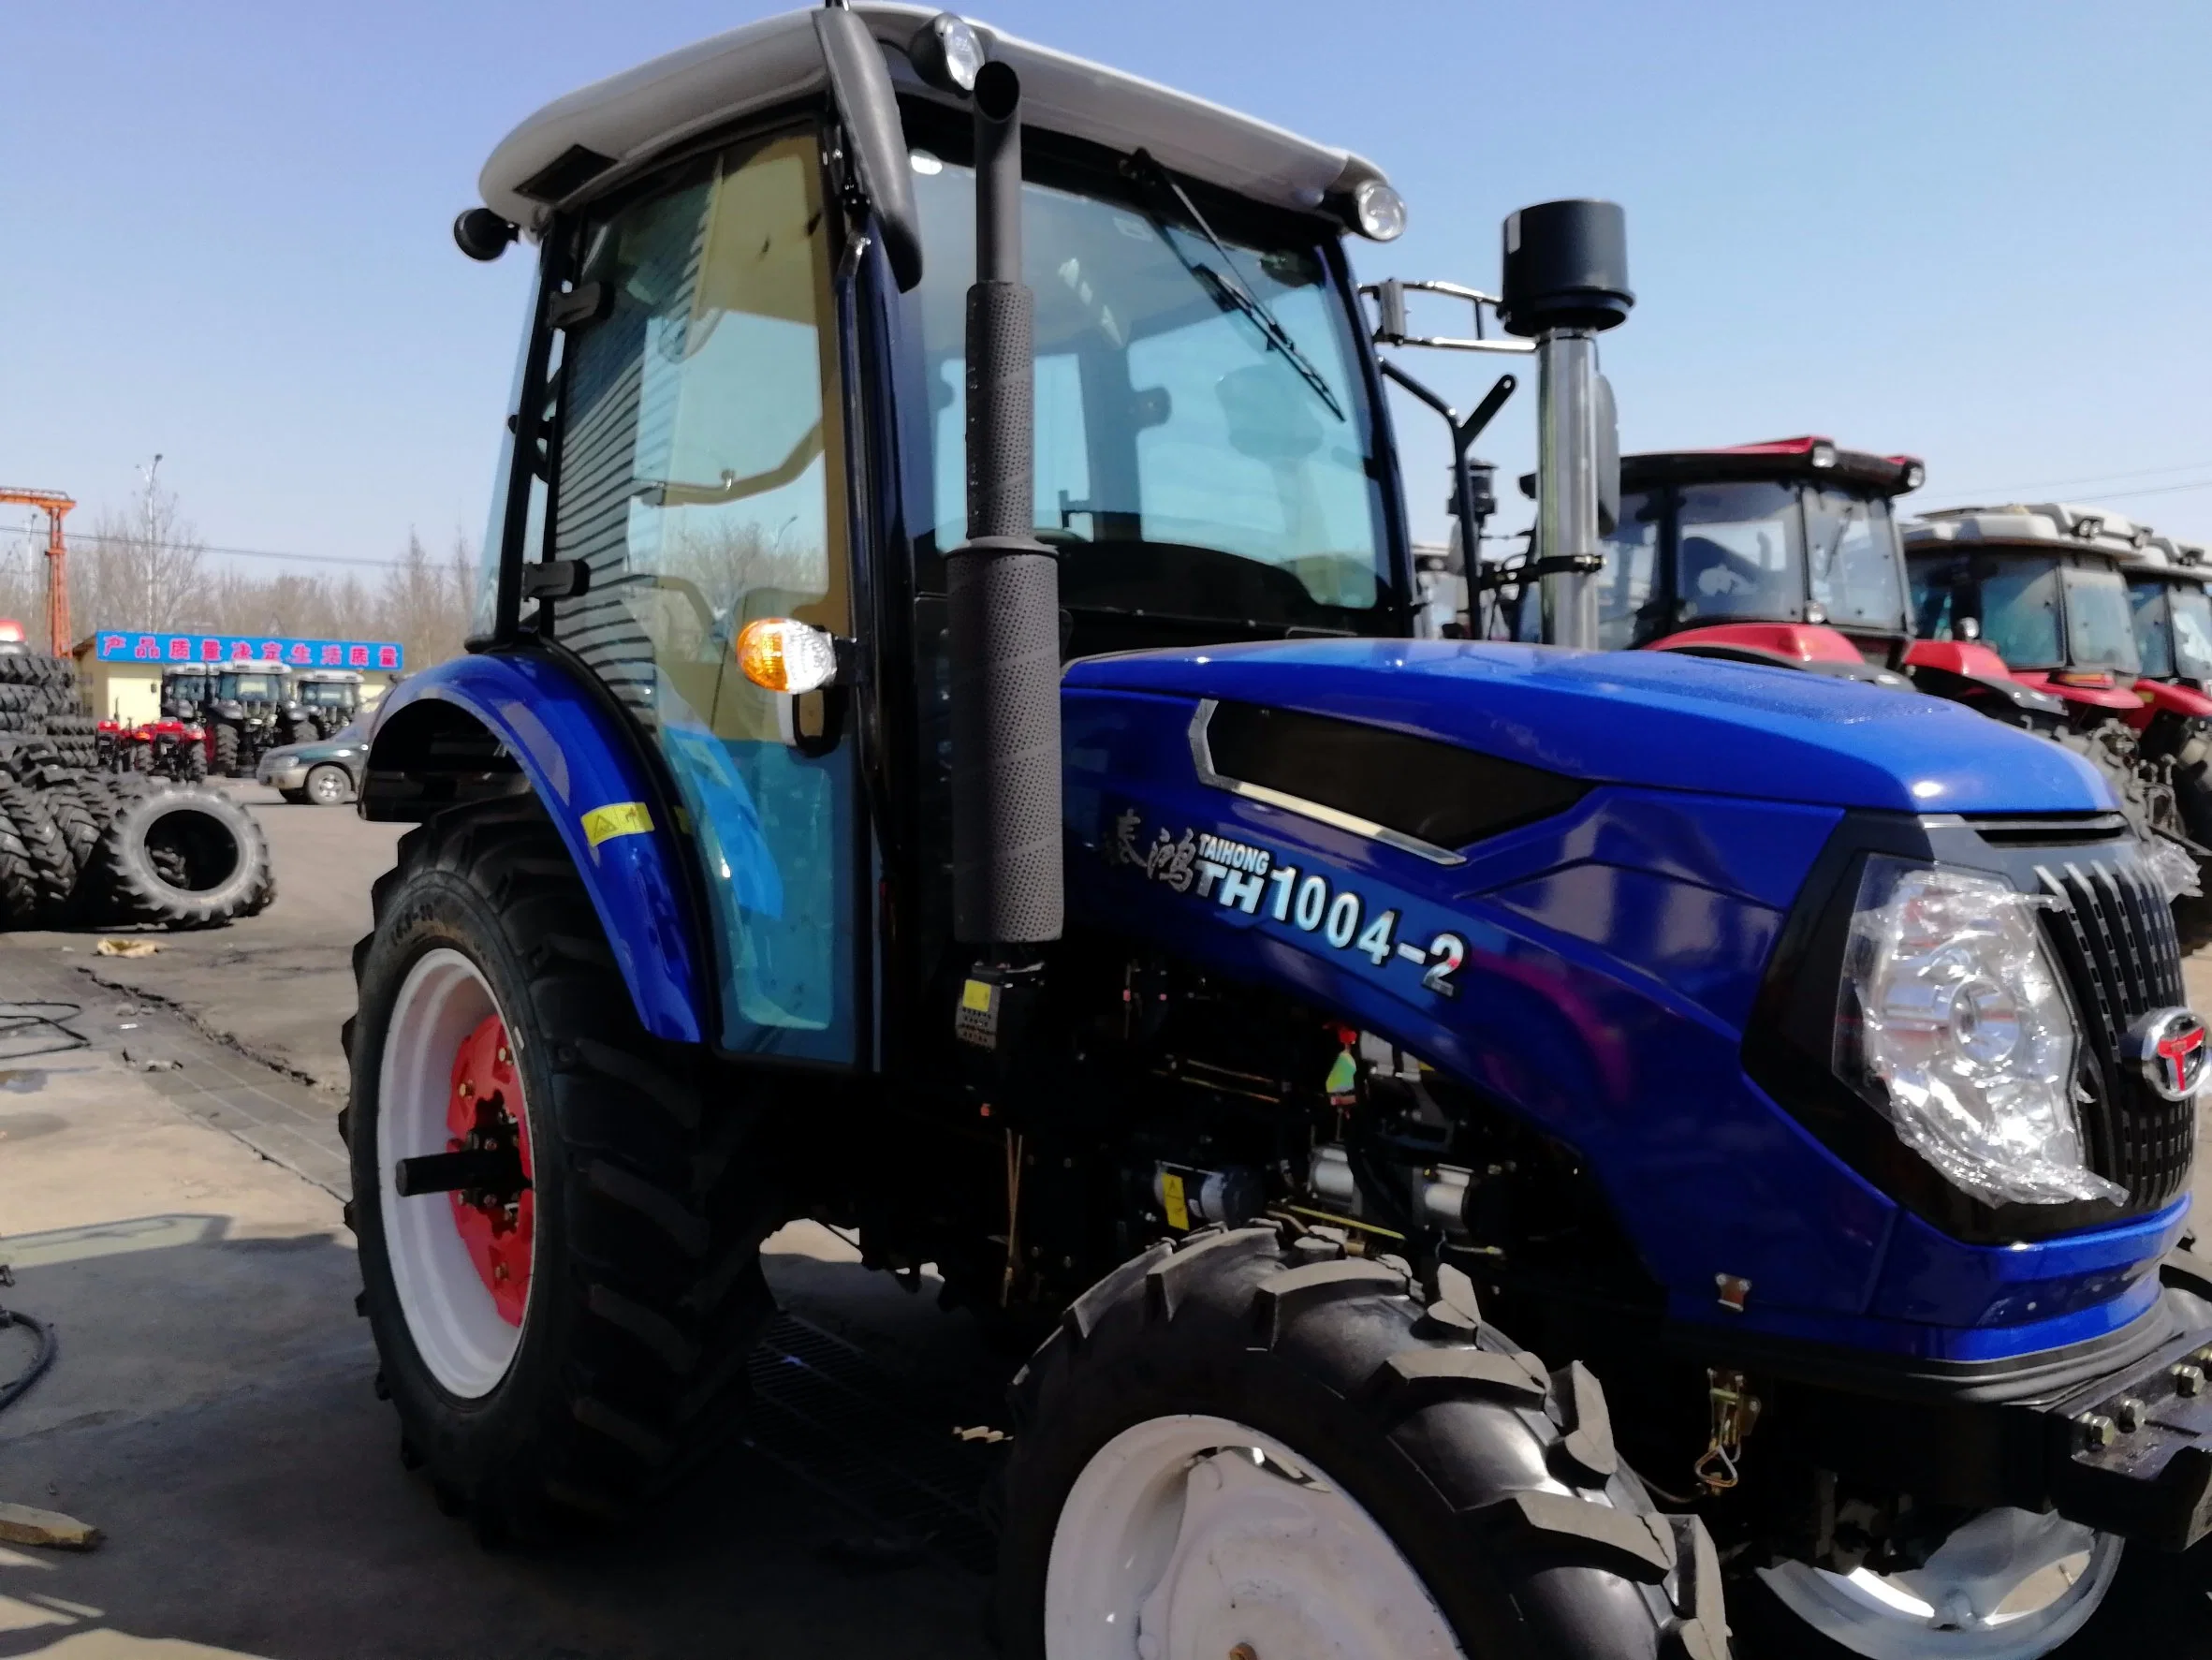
[[1003, 603]]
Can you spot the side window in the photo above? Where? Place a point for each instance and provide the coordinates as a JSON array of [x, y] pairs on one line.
[[2146, 602], [1624, 586], [2020, 611], [699, 476]]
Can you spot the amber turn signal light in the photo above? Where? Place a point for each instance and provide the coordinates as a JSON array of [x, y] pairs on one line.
[[783, 654]]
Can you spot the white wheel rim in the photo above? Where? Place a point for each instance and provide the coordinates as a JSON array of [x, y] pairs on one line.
[[449, 1311], [1185, 1537], [326, 785], [2009, 1585]]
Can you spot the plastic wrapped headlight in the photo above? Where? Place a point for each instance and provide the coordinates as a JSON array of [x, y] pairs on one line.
[[1954, 1024]]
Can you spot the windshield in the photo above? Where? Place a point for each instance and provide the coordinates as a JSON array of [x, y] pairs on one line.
[[248, 688], [1738, 554], [2100, 627], [1852, 565], [1185, 465], [326, 694]]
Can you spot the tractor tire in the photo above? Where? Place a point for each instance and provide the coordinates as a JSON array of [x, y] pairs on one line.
[[141, 758], [330, 785], [19, 879], [53, 870], [24, 670], [301, 732], [196, 762], [617, 1364], [1298, 1456], [226, 762], [182, 859], [80, 827]]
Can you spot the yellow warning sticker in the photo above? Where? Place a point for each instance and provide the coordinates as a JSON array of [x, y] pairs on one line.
[[1178, 1208], [976, 995], [618, 818]]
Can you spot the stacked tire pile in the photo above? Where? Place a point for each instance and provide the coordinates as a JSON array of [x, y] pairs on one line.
[[38, 699], [80, 846]]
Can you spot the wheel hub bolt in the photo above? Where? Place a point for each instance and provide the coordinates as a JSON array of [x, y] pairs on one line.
[[2189, 1379], [2097, 1429], [2131, 1414]]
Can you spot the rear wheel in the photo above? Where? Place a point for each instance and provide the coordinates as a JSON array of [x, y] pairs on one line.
[[226, 762], [1248, 1444], [578, 1344]]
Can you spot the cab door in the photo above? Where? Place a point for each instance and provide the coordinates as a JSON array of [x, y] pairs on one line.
[[699, 471]]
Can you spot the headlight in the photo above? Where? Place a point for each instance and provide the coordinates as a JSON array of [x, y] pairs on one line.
[[1953, 1022]]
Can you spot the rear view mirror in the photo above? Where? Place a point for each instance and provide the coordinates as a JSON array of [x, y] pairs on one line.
[[1605, 417], [860, 87], [1270, 416]]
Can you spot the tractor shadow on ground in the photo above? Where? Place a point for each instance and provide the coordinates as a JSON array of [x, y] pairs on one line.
[[213, 1411]]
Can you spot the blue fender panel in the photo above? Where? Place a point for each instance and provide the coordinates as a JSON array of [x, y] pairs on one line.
[[579, 762]]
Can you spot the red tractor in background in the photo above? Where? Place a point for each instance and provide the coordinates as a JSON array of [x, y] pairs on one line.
[[2043, 589], [1788, 552]]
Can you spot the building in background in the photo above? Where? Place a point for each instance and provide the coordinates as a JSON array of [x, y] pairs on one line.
[[119, 669]]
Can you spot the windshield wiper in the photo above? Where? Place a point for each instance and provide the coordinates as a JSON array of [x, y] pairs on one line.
[[1226, 287]]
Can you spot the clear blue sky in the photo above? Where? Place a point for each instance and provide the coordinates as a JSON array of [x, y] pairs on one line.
[[1975, 231]]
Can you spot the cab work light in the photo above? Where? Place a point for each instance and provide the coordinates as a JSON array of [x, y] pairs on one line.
[[783, 654]]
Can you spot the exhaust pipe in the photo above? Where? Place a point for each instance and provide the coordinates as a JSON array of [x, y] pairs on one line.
[[1566, 282], [1003, 589]]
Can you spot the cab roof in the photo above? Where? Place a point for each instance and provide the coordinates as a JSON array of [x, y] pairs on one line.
[[1808, 456], [612, 129], [2048, 527]]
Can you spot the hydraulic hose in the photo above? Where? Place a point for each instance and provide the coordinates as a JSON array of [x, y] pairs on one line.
[[17, 1388]]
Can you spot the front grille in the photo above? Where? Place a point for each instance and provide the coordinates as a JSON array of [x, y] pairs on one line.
[[2115, 933]]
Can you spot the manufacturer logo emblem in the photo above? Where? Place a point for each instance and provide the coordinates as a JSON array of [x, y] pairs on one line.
[[2169, 1048]]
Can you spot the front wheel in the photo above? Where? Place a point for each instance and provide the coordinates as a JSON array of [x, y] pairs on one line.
[[1249, 1444], [330, 785], [563, 1325]]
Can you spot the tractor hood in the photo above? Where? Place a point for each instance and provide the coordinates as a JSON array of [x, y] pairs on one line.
[[1655, 719]]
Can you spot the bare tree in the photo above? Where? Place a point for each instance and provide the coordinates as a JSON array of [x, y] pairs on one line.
[[145, 565]]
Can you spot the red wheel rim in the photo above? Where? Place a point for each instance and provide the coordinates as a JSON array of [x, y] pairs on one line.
[[485, 1110]]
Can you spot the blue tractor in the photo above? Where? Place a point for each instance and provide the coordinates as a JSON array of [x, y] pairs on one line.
[[1498, 1151]]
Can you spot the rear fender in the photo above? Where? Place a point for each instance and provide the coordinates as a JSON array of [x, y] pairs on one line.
[[478, 728]]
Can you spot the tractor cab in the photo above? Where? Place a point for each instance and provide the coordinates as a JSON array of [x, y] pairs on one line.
[[185, 688], [2042, 588], [1780, 551], [324, 699], [245, 714]]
